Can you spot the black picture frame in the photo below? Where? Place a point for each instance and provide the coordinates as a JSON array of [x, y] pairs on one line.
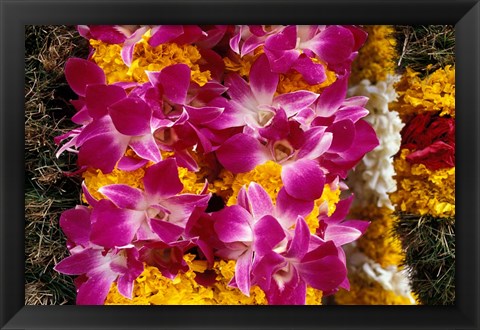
[[15, 14]]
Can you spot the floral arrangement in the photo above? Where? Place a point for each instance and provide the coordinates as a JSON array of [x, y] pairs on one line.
[[214, 161]]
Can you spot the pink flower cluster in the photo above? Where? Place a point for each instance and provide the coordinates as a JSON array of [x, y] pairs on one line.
[[316, 138]]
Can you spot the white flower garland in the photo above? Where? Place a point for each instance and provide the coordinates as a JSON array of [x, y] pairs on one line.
[[372, 180]]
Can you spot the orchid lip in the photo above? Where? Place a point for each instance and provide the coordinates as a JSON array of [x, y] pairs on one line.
[[282, 150], [165, 136], [265, 117]]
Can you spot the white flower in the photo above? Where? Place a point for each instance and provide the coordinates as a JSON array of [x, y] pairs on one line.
[[372, 180]]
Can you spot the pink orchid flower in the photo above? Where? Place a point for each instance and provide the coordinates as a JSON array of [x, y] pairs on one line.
[[284, 276], [247, 233], [254, 104], [335, 228], [255, 228], [185, 112], [98, 267], [112, 120], [158, 213], [295, 45], [298, 153], [100, 270], [352, 137]]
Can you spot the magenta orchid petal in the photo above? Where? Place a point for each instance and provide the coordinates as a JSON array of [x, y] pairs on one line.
[[182, 206], [289, 208], [164, 33], [146, 147], [251, 44], [278, 128], [161, 180], [113, 148], [82, 117], [97, 128], [312, 73], [80, 263], [303, 179], [131, 163], [106, 33], [95, 290], [345, 233], [125, 196], [90, 199], [80, 73], [283, 40], [243, 272], [263, 81], [129, 45], [352, 113], [343, 133], [332, 97], [234, 42], [134, 269], [355, 101], [300, 241], [112, 226], [241, 153], [75, 223], [175, 80], [233, 224], [268, 233], [131, 116], [184, 159], [265, 266], [323, 274], [341, 211], [260, 202], [317, 143], [168, 232], [242, 199], [281, 61], [333, 45], [203, 115], [293, 102], [99, 97], [242, 97]]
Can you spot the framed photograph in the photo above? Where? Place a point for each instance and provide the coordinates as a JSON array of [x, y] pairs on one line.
[[239, 154]]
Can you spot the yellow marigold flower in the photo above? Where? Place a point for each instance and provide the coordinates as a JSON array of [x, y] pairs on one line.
[[435, 92], [376, 59], [241, 65], [267, 175], [330, 197], [293, 81], [364, 291], [151, 288], [146, 58], [378, 243], [423, 191]]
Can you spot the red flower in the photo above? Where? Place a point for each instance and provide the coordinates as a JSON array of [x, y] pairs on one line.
[[436, 156], [432, 140]]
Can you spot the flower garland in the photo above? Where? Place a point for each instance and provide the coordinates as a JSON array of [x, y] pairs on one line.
[[213, 159], [374, 261], [425, 169], [426, 164]]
